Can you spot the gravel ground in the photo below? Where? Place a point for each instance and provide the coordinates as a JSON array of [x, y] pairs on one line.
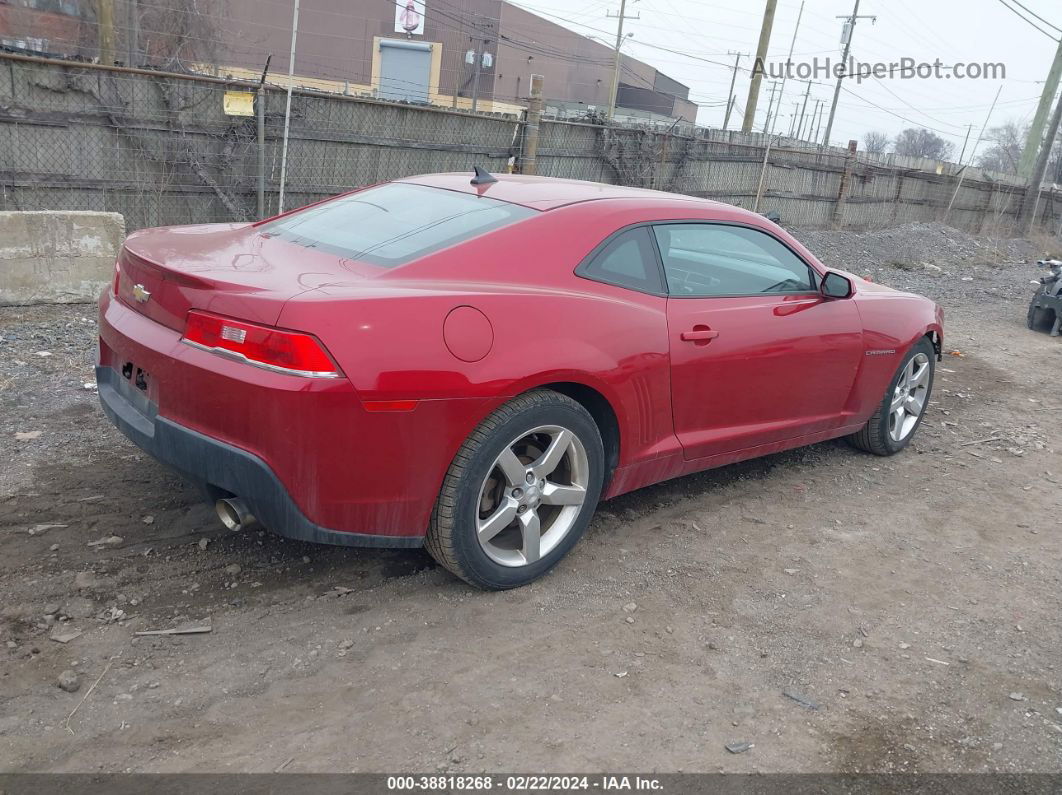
[[837, 611]]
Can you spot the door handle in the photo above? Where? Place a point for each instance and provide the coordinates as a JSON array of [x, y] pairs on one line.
[[699, 334]]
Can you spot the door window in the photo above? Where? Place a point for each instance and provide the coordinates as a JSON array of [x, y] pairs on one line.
[[706, 260]]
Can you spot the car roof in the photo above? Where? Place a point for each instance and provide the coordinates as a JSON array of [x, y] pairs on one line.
[[548, 193]]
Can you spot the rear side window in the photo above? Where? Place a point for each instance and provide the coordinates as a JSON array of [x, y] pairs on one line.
[[393, 224], [627, 260]]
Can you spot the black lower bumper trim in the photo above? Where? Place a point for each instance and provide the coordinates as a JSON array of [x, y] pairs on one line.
[[210, 463]]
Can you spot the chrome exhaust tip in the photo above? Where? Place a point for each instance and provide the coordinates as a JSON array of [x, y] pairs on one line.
[[234, 513]]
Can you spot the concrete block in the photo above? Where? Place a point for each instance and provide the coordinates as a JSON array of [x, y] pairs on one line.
[[57, 257]]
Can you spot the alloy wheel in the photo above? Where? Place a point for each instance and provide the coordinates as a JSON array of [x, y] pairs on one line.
[[532, 495], [909, 397]]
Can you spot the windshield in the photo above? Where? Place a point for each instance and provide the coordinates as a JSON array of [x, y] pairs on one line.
[[393, 224]]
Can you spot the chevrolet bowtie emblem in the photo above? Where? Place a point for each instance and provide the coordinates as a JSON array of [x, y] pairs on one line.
[[140, 294]]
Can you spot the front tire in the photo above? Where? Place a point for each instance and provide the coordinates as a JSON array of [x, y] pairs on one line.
[[519, 493], [893, 425], [1039, 318]]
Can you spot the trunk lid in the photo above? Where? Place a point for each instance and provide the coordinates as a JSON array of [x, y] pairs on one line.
[[228, 269]]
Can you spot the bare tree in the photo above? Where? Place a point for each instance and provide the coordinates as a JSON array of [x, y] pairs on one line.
[[181, 35], [1005, 146], [918, 142], [875, 142]]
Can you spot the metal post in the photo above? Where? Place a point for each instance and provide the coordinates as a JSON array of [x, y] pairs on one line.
[[260, 109], [757, 67], [962, 172], [760, 188], [287, 109]]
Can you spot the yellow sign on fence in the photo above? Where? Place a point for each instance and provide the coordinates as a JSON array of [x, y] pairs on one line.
[[239, 103]]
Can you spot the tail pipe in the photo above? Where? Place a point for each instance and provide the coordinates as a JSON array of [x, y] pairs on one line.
[[234, 513]]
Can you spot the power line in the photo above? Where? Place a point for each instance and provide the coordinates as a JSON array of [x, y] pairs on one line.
[[1033, 13], [1025, 19]]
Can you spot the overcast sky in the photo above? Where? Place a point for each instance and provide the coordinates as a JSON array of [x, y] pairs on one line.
[[952, 30]]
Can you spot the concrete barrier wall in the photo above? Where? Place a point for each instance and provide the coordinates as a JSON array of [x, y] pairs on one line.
[[59, 257]]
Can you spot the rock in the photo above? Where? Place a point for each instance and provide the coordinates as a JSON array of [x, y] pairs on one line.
[[799, 698], [68, 681], [997, 746], [79, 607], [1017, 697], [630, 607], [26, 436], [905, 645], [790, 571], [53, 548], [149, 519], [51, 609], [203, 542], [107, 542], [739, 748], [86, 581], [65, 636], [857, 643], [233, 569], [346, 644]]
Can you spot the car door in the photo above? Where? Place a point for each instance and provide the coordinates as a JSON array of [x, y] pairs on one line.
[[757, 354]]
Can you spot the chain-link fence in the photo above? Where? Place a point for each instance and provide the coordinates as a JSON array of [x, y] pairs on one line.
[[162, 149]]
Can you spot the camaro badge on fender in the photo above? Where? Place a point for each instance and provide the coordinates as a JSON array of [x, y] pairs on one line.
[[140, 294]]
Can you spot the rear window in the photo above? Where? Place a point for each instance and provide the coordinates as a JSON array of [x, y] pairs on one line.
[[396, 223]]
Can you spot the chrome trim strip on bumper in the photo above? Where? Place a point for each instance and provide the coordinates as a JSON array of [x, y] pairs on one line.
[[239, 357]]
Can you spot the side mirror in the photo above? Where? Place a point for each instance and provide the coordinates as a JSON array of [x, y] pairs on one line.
[[834, 285]]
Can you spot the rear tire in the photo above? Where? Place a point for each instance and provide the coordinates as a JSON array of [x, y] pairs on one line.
[[519, 493], [895, 422], [1039, 318]]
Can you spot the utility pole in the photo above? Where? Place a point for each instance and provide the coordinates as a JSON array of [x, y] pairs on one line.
[[132, 38], [1036, 129], [733, 79], [1041, 165], [757, 67], [729, 108], [793, 119], [287, 109], [105, 30], [770, 107], [789, 59], [850, 31], [818, 123], [622, 15], [477, 56], [803, 107], [966, 140]]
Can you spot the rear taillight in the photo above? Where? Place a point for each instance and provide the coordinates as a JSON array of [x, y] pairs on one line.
[[289, 352]]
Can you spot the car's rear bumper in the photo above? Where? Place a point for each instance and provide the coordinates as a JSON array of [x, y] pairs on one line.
[[304, 454], [220, 467]]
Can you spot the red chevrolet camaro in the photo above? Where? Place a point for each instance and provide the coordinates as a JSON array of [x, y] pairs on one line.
[[472, 363]]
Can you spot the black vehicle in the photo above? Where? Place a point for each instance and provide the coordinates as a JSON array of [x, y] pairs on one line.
[[1045, 309]]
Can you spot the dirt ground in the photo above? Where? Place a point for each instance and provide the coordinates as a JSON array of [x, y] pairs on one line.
[[840, 612]]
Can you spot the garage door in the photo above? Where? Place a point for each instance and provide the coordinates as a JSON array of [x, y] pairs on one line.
[[404, 70]]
